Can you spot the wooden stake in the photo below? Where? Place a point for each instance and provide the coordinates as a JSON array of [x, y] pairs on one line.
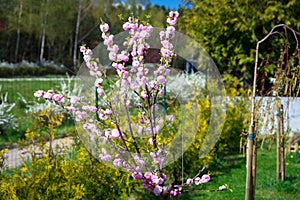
[[278, 145], [282, 156], [249, 195]]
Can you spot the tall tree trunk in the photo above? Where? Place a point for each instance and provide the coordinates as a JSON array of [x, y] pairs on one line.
[[76, 36], [280, 169], [44, 33], [18, 31], [42, 44]]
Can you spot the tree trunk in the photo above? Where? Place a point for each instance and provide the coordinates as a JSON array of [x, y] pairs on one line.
[[18, 31], [249, 165], [76, 36], [44, 34], [42, 45], [280, 168], [254, 165]]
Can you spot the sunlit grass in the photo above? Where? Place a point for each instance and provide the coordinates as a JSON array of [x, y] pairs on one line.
[[26, 89], [231, 170]]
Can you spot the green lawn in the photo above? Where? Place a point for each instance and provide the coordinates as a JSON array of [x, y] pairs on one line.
[[231, 170], [26, 89]]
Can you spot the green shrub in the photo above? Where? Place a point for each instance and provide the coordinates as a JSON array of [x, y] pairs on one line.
[[65, 171]]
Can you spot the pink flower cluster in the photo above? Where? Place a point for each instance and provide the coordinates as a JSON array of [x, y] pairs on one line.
[[49, 96], [93, 67], [167, 50], [197, 180], [177, 189], [153, 182]]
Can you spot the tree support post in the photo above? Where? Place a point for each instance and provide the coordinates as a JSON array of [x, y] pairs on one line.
[[251, 165], [280, 160]]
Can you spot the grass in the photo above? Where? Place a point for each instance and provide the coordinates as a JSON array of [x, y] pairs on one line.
[[231, 170], [26, 89]]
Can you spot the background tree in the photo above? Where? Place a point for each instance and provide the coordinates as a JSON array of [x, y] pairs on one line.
[[229, 29]]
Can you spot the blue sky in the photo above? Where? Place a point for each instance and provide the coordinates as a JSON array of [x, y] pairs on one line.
[[167, 3]]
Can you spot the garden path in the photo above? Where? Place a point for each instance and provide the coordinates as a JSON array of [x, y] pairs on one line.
[[14, 157]]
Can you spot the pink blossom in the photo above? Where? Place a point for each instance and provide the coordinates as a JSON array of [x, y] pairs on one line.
[[144, 80], [176, 191], [39, 93], [103, 116], [157, 180], [89, 52], [92, 73], [158, 190], [70, 108], [106, 158], [166, 53], [144, 94], [142, 121], [205, 178], [80, 115], [115, 134], [98, 82], [162, 35], [57, 98], [198, 181], [109, 41], [153, 155], [172, 22], [222, 187], [100, 91], [167, 44], [161, 92], [138, 169], [148, 175], [125, 74], [99, 74], [151, 141], [104, 36], [48, 95], [141, 162], [161, 80], [112, 56], [130, 19], [104, 28], [164, 176], [125, 164], [74, 100], [189, 181], [114, 48], [82, 49], [107, 111], [125, 82], [123, 57], [117, 162], [137, 175], [87, 58], [135, 63], [173, 14], [170, 29], [126, 26]]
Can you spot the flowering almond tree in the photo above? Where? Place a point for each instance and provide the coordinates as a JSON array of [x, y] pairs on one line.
[[126, 118]]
